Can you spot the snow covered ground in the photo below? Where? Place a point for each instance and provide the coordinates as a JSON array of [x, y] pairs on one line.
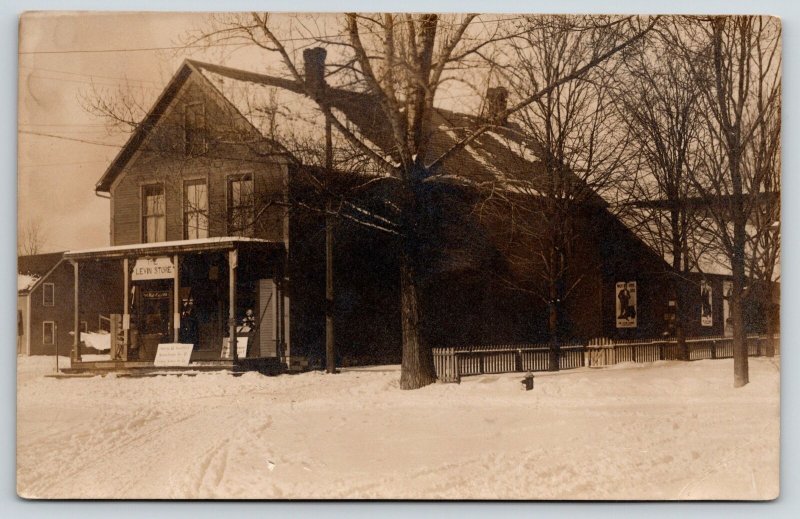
[[667, 430]]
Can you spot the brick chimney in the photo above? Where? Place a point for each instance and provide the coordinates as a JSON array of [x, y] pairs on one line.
[[496, 103], [314, 63]]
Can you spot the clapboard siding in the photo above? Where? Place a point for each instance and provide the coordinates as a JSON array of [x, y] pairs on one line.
[[161, 159]]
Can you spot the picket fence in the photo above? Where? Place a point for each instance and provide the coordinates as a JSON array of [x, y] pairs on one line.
[[452, 363]]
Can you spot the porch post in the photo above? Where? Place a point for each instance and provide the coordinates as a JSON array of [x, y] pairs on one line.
[[76, 340], [126, 305], [232, 260], [176, 298], [279, 317]]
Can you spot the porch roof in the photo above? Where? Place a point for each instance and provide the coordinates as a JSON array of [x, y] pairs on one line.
[[220, 243]]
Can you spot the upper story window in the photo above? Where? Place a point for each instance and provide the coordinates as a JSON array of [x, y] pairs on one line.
[[48, 294], [194, 129], [154, 216], [195, 209], [241, 208]]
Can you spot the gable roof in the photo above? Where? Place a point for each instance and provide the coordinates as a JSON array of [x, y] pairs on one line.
[[281, 112], [34, 269]]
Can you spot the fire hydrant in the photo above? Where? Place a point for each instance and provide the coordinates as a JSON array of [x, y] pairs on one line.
[[527, 382]]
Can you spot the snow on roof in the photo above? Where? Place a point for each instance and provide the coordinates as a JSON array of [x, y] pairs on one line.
[[26, 281], [282, 113]]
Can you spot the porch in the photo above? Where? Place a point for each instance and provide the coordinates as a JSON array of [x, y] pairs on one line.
[[191, 298]]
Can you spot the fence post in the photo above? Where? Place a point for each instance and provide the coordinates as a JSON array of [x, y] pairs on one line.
[[758, 346], [713, 349], [661, 350], [518, 360]]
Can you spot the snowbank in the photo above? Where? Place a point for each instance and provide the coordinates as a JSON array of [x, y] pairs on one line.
[[669, 430]]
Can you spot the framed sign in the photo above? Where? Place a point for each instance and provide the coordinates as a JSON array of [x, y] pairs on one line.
[[706, 301], [727, 322], [626, 304]]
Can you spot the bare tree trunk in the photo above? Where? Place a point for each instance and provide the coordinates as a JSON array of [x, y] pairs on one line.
[[740, 360], [771, 328], [680, 320], [330, 349], [554, 309], [417, 367], [555, 346]]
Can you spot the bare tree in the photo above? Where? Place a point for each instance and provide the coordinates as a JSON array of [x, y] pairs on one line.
[[576, 131], [660, 101], [31, 237], [736, 62], [405, 64], [403, 61]]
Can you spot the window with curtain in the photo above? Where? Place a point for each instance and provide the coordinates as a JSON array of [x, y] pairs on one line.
[[154, 218], [195, 209], [241, 208]]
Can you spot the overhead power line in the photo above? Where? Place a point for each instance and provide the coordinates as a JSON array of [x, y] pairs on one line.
[[171, 47], [91, 76], [70, 139]]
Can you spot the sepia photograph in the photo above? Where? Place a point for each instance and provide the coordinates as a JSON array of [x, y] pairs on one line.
[[398, 256]]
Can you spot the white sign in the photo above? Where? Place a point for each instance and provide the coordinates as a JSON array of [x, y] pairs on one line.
[[153, 268], [626, 308], [727, 324], [173, 354], [241, 348], [706, 301]]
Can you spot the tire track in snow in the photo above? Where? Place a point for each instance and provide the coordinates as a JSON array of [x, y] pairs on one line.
[[118, 449], [211, 471]]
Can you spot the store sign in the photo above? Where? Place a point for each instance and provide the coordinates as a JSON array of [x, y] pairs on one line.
[[241, 348], [153, 268], [155, 294], [626, 304], [173, 354]]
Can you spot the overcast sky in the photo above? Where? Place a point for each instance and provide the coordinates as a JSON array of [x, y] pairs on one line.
[[63, 57]]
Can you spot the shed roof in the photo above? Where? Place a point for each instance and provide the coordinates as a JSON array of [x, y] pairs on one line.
[[171, 247]]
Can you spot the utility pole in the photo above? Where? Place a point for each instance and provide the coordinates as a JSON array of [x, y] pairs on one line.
[[330, 348]]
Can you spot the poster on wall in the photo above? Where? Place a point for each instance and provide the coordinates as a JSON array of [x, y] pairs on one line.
[[706, 297], [626, 304], [727, 322]]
